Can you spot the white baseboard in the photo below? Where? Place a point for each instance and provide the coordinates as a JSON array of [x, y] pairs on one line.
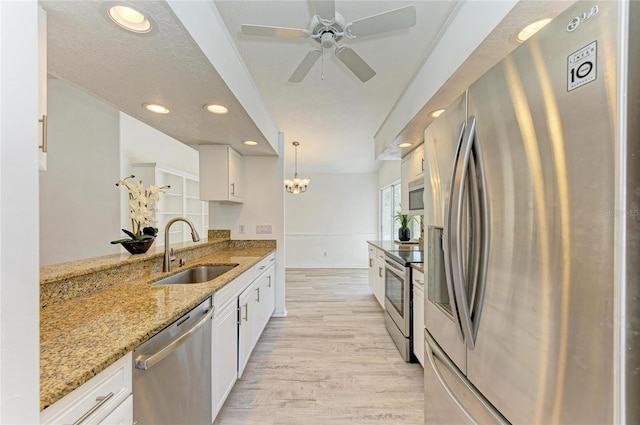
[[280, 313]]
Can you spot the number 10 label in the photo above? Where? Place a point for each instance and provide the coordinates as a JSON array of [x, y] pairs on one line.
[[581, 66]]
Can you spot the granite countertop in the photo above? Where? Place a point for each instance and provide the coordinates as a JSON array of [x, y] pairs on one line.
[[394, 246], [80, 337]]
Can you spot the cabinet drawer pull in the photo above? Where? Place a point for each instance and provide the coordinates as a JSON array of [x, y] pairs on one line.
[[43, 146], [101, 400], [269, 284], [233, 188], [258, 290], [379, 271], [246, 312]]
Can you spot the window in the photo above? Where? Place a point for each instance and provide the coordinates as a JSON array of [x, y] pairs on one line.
[[389, 207]]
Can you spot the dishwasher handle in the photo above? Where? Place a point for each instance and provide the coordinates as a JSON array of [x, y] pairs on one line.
[[146, 362]]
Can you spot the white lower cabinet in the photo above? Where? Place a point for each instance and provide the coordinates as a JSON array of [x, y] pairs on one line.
[[266, 300], [104, 399], [243, 309], [224, 352], [247, 324], [122, 415], [376, 273], [418, 315]]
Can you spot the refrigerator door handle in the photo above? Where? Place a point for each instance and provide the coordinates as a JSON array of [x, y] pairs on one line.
[[457, 267], [456, 202], [433, 351], [481, 236], [473, 170], [446, 241]]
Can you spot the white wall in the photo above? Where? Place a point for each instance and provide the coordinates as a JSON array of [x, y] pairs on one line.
[[142, 143], [263, 204], [79, 203], [19, 288], [329, 225], [388, 173]]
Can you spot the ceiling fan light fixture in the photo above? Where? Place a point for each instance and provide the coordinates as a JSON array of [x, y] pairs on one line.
[[129, 18], [296, 185], [250, 143], [216, 109], [156, 108], [405, 145], [328, 26]]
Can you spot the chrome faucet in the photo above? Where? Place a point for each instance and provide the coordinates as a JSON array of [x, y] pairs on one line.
[[166, 265]]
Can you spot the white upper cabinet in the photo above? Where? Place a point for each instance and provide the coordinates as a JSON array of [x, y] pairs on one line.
[[42, 89], [417, 162], [412, 169], [405, 177], [221, 174]]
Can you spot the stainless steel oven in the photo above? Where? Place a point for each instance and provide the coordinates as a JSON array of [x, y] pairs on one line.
[[398, 299]]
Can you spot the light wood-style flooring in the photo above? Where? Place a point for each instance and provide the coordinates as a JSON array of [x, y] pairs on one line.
[[330, 362]]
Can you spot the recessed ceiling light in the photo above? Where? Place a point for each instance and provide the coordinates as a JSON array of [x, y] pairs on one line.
[[436, 113], [404, 145], [531, 29], [129, 18], [158, 109], [250, 142], [216, 109]]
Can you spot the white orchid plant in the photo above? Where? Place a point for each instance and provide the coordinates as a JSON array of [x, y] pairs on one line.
[[142, 205]]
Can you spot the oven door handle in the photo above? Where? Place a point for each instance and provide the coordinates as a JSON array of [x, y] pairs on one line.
[[395, 266]]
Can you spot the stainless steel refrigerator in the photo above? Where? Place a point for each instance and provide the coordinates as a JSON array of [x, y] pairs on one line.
[[532, 208]]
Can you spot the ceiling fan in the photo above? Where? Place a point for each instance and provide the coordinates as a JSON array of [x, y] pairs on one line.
[[327, 27]]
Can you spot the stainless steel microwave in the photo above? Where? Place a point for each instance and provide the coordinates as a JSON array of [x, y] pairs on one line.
[[416, 196]]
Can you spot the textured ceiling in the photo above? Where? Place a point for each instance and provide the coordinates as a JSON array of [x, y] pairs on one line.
[[332, 113], [127, 70]]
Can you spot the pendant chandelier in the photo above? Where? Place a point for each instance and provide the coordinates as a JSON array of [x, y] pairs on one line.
[[297, 185]]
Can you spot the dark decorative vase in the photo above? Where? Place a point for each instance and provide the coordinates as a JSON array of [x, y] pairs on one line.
[[138, 247], [404, 234]]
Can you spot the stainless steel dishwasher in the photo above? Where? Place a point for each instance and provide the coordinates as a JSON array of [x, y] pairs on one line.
[[172, 372]]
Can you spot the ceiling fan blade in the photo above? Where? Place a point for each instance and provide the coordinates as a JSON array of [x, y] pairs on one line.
[[248, 29], [325, 9], [305, 66], [403, 17], [355, 63]]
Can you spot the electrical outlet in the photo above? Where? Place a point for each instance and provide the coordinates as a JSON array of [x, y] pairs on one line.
[[263, 229], [241, 229]]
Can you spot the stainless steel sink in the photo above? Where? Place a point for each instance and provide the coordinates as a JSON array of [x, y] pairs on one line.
[[196, 274]]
